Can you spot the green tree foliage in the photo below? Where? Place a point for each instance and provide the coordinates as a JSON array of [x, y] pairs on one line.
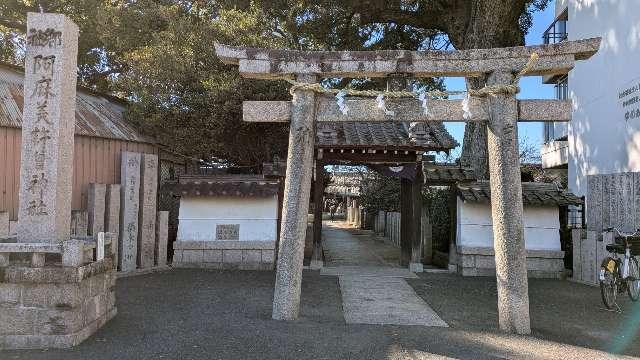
[[380, 193], [159, 54], [435, 200], [85, 13], [182, 92]]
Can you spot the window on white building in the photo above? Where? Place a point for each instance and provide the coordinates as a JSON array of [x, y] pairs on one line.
[[561, 89], [575, 216]]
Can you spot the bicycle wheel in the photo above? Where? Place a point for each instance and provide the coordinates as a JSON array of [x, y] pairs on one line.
[[608, 282], [633, 281]]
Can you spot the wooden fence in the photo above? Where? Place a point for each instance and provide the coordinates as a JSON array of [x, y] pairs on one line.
[[387, 224]]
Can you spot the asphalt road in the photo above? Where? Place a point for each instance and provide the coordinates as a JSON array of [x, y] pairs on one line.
[[196, 314]]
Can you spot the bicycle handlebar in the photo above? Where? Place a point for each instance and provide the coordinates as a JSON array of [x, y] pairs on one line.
[[620, 233]]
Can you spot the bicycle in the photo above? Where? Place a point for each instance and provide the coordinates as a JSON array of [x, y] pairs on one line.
[[616, 274]]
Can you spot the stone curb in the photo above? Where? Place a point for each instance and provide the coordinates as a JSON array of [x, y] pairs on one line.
[[224, 245], [487, 251], [137, 272]]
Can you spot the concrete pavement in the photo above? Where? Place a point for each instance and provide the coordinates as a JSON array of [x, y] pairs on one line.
[[373, 290], [197, 314]]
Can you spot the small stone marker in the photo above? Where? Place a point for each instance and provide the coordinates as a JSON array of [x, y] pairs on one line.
[[112, 209], [13, 227], [100, 247], [4, 224], [147, 224], [48, 124], [112, 216], [96, 208], [113, 247], [162, 236], [73, 253], [129, 202], [79, 221]]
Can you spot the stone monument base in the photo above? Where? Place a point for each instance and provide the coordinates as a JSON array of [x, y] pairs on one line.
[[54, 306], [224, 254], [480, 261]]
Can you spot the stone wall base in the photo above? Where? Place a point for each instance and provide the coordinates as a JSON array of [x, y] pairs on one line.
[[477, 261], [55, 341], [224, 254], [54, 306]]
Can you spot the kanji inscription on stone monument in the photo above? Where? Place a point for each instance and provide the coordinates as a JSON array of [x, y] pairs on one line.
[[147, 213], [47, 128], [130, 202]]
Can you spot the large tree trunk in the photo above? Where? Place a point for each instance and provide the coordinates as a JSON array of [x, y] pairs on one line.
[[487, 24]]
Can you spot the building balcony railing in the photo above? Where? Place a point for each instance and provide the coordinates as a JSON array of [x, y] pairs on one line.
[[555, 154], [555, 33]]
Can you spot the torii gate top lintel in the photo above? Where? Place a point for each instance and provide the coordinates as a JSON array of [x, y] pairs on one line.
[[272, 63]]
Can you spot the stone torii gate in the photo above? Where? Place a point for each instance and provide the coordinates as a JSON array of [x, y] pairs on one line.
[[500, 111]]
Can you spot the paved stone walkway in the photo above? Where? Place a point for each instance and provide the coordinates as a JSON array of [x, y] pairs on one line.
[[345, 246], [384, 300], [374, 290]]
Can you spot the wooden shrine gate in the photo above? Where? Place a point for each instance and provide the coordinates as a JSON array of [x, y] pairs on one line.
[[496, 105]]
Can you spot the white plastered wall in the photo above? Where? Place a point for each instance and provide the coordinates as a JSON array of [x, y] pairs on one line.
[[601, 140], [199, 216], [474, 226]]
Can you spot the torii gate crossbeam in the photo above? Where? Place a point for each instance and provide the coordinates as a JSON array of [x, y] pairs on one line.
[[500, 111]]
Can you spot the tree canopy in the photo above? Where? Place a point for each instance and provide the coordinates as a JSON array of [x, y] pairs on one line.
[[159, 55]]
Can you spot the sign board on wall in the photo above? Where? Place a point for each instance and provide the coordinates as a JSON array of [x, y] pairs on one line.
[[629, 100]]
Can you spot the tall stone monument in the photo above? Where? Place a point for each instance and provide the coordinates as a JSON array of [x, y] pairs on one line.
[[147, 223], [129, 203], [44, 303], [47, 129]]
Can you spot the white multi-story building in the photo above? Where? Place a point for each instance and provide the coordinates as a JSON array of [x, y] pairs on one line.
[[604, 134]]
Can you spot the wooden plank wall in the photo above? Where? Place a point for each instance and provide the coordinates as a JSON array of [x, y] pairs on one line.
[[613, 200], [388, 224], [96, 160], [10, 141]]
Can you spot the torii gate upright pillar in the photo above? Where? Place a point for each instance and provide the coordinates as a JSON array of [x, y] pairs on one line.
[[506, 209], [295, 206]]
